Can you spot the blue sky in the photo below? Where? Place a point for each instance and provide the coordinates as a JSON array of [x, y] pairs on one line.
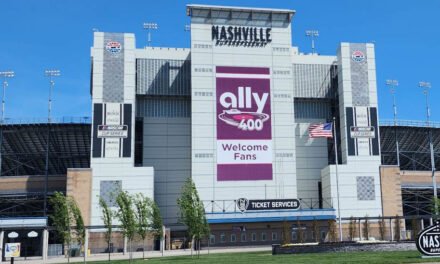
[[40, 34]]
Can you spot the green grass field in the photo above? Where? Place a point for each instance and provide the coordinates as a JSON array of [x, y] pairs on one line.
[[266, 257]]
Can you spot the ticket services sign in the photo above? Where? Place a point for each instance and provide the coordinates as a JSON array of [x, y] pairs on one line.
[[244, 204], [244, 127]]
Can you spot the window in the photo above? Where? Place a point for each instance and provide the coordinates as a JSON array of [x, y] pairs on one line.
[[222, 238], [274, 236], [233, 238], [323, 235], [254, 237], [212, 239], [263, 236], [109, 190], [294, 236], [365, 188], [243, 237]]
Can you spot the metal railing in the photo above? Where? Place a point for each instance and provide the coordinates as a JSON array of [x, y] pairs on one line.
[[54, 120], [223, 206], [409, 123]]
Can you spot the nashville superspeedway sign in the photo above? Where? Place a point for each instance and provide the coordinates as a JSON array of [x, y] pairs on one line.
[[428, 241]]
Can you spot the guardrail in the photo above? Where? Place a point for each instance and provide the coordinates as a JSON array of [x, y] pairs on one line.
[[42, 120], [409, 123], [88, 120]]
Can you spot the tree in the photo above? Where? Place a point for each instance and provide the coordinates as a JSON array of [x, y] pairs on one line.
[[415, 228], [143, 217], [192, 212], [366, 228], [286, 233], [126, 218], [382, 228], [300, 237], [435, 205], [80, 230], [352, 228], [61, 219], [157, 223], [332, 230], [107, 217], [397, 228], [66, 214], [315, 227]]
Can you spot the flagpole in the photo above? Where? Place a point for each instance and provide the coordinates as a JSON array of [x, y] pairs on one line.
[[337, 177]]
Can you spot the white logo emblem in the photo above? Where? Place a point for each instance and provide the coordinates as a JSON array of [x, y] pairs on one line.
[[242, 204]]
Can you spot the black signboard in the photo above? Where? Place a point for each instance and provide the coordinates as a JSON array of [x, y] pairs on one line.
[[428, 241], [244, 204]]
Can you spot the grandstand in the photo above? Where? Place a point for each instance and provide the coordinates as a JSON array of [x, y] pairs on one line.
[[23, 161]]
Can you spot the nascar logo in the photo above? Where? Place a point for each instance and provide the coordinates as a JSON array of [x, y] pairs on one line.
[[113, 47], [358, 56]]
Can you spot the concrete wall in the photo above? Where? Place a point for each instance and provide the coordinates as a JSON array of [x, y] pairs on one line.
[[206, 55], [79, 186], [35, 183], [311, 158], [114, 81], [167, 148], [391, 181]]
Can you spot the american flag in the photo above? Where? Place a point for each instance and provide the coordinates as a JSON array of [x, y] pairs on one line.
[[320, 130]]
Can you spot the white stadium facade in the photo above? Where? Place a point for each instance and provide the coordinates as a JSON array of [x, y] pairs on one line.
[[232, 112], [197, 108]]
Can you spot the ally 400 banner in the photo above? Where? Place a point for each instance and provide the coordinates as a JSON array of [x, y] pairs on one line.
[[244, 130]]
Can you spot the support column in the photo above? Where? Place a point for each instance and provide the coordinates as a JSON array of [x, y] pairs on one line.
[[125, 245], [86, 245], [2, 233], [162, 240], [391, 230], [45, 244]]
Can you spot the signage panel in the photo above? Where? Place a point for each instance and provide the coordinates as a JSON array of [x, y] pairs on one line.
[[12, 250], [362, 132], [241, 36], [108, 131], [428, 240], [244, 129], [244, 204]]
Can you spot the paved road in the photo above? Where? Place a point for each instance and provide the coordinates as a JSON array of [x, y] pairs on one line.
[[148, 254]]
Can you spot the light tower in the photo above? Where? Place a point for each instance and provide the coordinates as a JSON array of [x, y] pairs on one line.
[[51, 74], [392, 84], [426, 86], [5, 75], [149, 27], [312, 34]]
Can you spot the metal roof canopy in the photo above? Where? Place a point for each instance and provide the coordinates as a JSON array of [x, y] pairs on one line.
[[414, 151], [24, 148], [23, 222], [229, 9]]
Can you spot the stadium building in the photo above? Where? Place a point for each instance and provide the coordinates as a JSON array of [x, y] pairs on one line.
[[233, 112]]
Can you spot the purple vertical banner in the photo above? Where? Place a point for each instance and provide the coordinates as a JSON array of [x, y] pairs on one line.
[[244, 127]]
